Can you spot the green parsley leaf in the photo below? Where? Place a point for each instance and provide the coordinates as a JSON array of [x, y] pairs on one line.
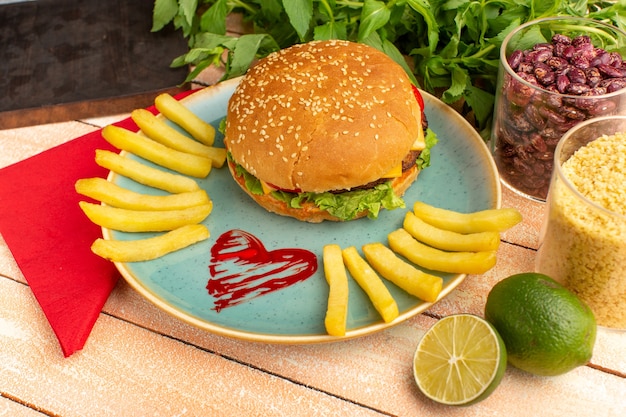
[[374, 16], [214, 19], [300, 13], [245, 50], [163, 13], [188, 10], [453, 45]]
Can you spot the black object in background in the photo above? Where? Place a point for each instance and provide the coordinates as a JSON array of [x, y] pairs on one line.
[[67, 59]]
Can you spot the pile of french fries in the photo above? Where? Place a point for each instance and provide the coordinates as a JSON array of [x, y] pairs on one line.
[[178, 213], [431, 238]]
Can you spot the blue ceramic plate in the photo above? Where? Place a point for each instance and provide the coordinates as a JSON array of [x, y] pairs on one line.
[[271, 307]]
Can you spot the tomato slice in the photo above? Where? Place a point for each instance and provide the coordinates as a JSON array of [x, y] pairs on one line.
[[418, 97], [294, 191]]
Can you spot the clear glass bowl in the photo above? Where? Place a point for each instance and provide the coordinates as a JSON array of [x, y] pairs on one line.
[[529, 119]]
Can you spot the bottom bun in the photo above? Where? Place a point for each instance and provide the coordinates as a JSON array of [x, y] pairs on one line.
[[309, 212]]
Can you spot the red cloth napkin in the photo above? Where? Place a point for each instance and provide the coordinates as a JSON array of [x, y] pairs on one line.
[[50, 237]]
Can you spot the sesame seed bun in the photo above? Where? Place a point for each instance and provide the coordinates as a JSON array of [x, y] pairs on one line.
[[322, 116]]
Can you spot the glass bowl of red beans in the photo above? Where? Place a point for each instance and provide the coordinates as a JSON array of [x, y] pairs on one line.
[[554, 73]]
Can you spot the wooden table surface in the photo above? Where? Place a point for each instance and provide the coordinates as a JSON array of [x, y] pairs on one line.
[[141, 361]]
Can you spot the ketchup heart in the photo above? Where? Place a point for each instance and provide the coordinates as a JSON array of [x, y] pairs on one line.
[[242, 268]]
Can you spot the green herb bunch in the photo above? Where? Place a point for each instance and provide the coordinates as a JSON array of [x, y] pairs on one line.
[[449, 47]]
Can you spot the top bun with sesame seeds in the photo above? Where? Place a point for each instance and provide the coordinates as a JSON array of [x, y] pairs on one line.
[[320, 118]]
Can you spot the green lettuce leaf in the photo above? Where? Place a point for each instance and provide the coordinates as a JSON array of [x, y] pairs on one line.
[[430, 138], [252, 183], [346, 205]]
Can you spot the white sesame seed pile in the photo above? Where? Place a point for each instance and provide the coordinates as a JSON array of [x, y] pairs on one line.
[[598, 171]]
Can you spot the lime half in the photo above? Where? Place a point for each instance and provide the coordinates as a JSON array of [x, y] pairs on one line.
[[460, 360]]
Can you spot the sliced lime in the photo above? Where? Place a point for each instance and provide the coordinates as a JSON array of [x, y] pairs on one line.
[[460, 360]]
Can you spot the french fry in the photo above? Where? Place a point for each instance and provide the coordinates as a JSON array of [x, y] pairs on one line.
[[157, 129], [495, 220], [116, 196], [404, 275], [371, 283], [416, 252], [145, 174], [448, 240], [185, 118], [216, 155], [144, 221], [150, 248], [182, 162], [335, 273]]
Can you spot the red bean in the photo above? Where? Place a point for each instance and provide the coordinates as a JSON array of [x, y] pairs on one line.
[[609, 71], [515, 59], [532, 123]]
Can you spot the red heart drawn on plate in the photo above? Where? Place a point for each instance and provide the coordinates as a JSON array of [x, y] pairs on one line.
[[242, 269]]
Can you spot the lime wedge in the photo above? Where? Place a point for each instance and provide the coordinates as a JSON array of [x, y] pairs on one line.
[[460, 360]]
